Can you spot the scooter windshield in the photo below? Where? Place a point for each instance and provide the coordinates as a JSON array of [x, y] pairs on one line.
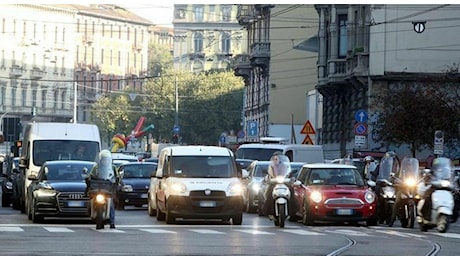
[[386, 167], [409, 169], [442, 168], [280, 166]]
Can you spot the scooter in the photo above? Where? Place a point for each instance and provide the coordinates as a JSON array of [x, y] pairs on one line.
[[442, 198], [100, 202], [385, 190], [281, 196]]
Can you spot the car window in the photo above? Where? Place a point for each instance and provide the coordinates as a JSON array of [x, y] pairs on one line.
[[138, 171]]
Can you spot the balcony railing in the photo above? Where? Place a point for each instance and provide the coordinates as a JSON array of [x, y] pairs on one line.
[[16, 71], [244, 15], [260, 54], [37, 73], [358, 64]]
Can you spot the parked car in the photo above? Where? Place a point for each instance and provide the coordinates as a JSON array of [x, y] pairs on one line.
[[134, 184], [334, 192], [12, 170], [58, 190]]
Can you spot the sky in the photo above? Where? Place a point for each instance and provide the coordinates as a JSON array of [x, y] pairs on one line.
[[159, 14]]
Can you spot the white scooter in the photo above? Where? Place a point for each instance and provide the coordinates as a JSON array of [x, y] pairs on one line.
[[442, 198], [281, 196]]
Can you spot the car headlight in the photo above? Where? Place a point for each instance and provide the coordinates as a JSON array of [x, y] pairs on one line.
[[127, 188], [369, 196], [178, 188], [235, 189], [316, 196], [45, 193], [410, 182]]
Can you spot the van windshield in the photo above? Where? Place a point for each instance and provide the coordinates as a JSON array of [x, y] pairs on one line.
[[203, 167], [50, 150], [260, 154]]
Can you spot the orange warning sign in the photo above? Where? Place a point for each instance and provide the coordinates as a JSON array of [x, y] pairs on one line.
[[308, 129], [307, 140]]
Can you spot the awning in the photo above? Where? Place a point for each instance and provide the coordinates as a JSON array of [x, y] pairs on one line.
[[310, 44]]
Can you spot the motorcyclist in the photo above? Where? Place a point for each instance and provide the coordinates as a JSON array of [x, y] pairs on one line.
[[400, 189], [369, 167], [279, 165], [105, 170]]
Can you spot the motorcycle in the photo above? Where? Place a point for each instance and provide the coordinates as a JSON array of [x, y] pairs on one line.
[[385, 190], [407, 184], [442, 198], [100, 197], [281, 196]]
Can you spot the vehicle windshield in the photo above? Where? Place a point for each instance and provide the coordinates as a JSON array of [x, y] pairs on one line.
[[52, 150], [442, 168], [409, 168], [138, 170], [260, 154], [261, 170], [335, 177], [68, 171], [203, 166]]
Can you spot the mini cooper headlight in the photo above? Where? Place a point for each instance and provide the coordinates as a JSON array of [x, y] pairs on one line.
[[316, 196], [369, 196]]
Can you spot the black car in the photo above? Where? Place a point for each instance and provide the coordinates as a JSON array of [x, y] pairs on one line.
[[134, 185], [58, 190], [12, 170]]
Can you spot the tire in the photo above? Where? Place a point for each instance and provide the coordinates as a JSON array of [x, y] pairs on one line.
[[250, 208], [99, 217], [152, 212], [5, 201], [160, 215], [237, 219], [281, 215], [260, 207], [443, 223], [35, 218], [411, 220], [307, 219]]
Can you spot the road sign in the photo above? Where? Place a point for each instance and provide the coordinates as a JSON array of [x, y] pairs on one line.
[[360, 140], [176, 129], [222, 139], [307, 140], [360, 129], [308, 129], [240, 134], [438, 142], [252, 128], [361, 116]]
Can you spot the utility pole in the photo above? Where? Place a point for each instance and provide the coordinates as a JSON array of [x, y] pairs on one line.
[[176, 128], [75, 103]]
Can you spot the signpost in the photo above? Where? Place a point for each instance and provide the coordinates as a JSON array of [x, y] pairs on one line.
[[438, 142], [360, 128], [307, 129]]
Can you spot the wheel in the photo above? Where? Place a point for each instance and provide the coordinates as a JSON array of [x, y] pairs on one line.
[[411, 216], [237, 219], [307, 219], [281, 215], [250, 208], [443, 223], [5, 201], [99, 217], [160, 215], [260, 207], [423, 227], [36, 218], [152, 211]]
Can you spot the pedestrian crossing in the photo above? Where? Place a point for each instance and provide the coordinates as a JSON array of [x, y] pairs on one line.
[[217, 230]]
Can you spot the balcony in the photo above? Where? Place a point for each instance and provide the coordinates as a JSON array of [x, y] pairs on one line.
[[244, 15], [138, 46], [37, 73], [88, 39], [260, 54], [358, 64], [242, 66], [16, 71], [197, 55]]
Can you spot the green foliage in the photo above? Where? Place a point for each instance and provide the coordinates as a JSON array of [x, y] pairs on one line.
[[410, 112], [209, 103]]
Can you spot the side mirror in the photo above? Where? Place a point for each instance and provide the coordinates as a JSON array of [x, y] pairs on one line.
[[245, 173], [392, 174], [371, 183]]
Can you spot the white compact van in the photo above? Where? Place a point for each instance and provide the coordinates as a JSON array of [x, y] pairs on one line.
[[295, 152], [46, 141], [198, 182]]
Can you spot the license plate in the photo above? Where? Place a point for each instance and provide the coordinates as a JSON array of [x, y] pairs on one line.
[[75, 203], [207, 204], [144, 196], [344, 211]]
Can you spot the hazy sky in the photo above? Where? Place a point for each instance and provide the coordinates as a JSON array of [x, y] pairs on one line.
[[159, 14]]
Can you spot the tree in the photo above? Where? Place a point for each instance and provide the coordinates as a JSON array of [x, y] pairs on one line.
[[411, 111]]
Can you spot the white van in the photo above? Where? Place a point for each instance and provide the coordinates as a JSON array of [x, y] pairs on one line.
[[295, 152], [198, 182], [46, 141]]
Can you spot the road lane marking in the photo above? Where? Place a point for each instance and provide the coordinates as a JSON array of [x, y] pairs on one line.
[[450, 235], [256, 232], [301, 232], [158, 231], [206, 231], [11, 229], [109, 230], [58, 229], [348, 232]]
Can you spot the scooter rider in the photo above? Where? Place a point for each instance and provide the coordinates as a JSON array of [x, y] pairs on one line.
[[105, 170], [279, 165]]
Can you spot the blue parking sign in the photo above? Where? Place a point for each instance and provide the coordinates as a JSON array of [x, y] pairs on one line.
[[252, 128]]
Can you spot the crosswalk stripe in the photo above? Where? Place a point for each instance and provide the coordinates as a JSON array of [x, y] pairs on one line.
[[109, 230], [256, 232], [206, 231], [11, 229], [450, 235], [58, 229], [158, 231], [301, 232]]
